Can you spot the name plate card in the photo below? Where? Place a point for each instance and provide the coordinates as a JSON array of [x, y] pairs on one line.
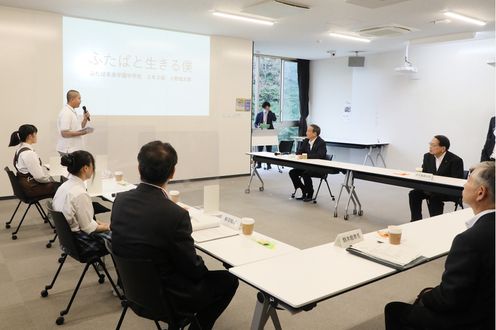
[[231, 221], [348, 238], [427, 176]]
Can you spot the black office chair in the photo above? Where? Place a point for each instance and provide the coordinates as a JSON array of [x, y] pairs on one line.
[[70, 247], [285, 148], [459, 202], [19, 193], [323, 178], [145, 295]]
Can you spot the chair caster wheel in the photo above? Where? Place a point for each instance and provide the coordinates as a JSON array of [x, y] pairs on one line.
[[360, 213], [61, 260], [261, 188], [45, 221], [60, 320], [315, 202], [333, 199], [346, 217], [44, 293], [7, 225], [101, 280], [14, 237], [292, 195], [123, 303], [49, 245], [247, 191]]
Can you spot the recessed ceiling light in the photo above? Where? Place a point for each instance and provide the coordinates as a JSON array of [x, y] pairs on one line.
[[464, 18], [345, 36], [243, 18]]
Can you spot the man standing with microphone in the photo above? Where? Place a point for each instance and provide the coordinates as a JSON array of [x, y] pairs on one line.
[[70, 128]]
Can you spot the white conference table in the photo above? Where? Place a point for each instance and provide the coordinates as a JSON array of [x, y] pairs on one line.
[[438, 184], [302, 279]]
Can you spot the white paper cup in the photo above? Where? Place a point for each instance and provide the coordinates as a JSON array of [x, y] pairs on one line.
[[304, 156], [418, 169], [119, 176], [247, 225], [174, 195], [394, 234]]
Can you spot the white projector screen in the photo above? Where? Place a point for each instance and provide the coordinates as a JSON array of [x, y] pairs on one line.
[[124, 70]]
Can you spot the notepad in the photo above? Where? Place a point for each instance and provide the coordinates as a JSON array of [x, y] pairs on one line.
[[211, 234], [395, 256]]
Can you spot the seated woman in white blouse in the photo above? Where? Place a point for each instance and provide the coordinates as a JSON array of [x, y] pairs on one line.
[[74, 202], [33, 177]]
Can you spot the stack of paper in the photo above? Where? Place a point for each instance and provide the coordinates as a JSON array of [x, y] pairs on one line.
[[207, 227], [395, 256]]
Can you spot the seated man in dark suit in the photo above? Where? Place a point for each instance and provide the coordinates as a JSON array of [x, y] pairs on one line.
[[438, 161], [267, 117], [315, 147], [465, 297], [146, 224], [488, 152]]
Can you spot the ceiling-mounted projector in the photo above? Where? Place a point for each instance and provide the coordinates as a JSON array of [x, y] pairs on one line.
[[407, 67]]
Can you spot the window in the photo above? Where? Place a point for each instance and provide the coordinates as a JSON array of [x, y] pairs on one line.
[[275, 80]]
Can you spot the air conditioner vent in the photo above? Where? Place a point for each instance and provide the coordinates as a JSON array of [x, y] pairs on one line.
[[385, 31]]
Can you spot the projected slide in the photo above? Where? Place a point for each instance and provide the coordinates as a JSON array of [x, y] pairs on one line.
[[124, 70]]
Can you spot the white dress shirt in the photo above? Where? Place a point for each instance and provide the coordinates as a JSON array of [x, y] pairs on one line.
[[439, 160], [469, 223], [493, 155], [73, 201], [29, 163], [310, 142], [68, 121], [265, 115]]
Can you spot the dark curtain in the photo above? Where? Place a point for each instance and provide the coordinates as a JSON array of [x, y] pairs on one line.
[[303, 87]]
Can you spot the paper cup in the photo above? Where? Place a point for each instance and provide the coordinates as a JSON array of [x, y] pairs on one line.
[[394, 235], [247, 225], [119, 176], [304, 156], [174, 195], [418, 169]]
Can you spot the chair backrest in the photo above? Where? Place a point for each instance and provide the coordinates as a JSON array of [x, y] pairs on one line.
[[16, 186], [66, 238], [143, 288], [465, 174], [286, 146], [329, 157]]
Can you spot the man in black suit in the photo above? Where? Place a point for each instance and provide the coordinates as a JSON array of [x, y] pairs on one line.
[[438, 161], [465, 297], [267, 117], [488, 152], [146, 224], [315, 147]]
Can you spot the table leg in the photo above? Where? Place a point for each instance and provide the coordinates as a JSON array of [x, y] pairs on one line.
[[263, 310], [379, 155], [352, 196], [253, 172], [343, 186], [369, 156]]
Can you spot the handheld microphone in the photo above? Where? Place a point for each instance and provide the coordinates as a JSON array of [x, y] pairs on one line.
[[86, 111]]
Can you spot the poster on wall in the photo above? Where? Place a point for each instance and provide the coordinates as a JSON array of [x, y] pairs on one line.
[[347, 112], [243, 105]]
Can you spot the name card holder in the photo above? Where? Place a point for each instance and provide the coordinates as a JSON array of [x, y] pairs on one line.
[[344, 240], [422, 175], [231, 221]]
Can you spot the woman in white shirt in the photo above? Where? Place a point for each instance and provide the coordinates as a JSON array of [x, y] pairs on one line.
[[33, 177], [75, 203]]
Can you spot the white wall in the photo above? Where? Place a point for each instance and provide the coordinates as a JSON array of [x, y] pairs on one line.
[[453, 94], [31, 92]]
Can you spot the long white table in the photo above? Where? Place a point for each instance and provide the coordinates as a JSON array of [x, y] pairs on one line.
[[369, 145], [298, 281], [438, 184]]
